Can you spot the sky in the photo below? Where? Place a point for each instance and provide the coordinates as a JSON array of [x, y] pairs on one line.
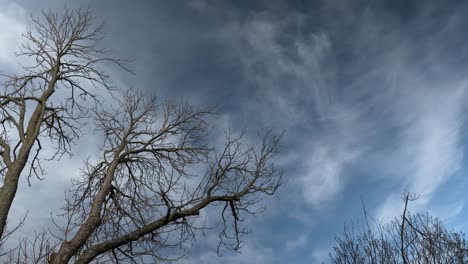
[[372, 96]]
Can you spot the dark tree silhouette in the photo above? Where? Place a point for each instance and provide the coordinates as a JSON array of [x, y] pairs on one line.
[[156, 170], [409, 239], [46, 101]]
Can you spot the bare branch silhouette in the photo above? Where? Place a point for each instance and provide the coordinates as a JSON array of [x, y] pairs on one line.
[[411, 239], [46, 101]]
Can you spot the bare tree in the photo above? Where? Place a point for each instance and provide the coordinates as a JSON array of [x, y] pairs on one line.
[[143, 194], [33, 250], [410, 239], [45, 102]]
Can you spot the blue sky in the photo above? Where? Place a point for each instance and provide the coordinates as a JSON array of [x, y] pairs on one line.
[[372, 95]]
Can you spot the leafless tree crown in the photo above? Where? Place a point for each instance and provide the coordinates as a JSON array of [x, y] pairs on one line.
[[143, 190], [142, 195], [411, 239], [45, 102]]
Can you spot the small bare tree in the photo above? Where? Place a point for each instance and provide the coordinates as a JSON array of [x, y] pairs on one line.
[[35, 249], [144, 193], [411, 239], [45, 102]]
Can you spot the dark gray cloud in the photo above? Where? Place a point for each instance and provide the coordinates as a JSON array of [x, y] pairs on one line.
[[371, 93]]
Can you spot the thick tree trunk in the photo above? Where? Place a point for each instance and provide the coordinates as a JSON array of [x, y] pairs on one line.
[[10, 184], [8, 192], [69, 248]]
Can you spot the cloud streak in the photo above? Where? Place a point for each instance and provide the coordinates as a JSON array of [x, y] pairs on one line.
[[388, 104]]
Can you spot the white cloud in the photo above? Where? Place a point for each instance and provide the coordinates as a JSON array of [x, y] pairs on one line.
[[324, 175], [290, 78], [249, 254], [296, 83], [340, 145], [297, 242], [430, 150], [436, 139], [13, 20], [320, 254]]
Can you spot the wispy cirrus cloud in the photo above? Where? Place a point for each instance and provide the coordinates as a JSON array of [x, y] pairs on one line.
[[295, 76], [421, 93], [384, 105], [430, 149]]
